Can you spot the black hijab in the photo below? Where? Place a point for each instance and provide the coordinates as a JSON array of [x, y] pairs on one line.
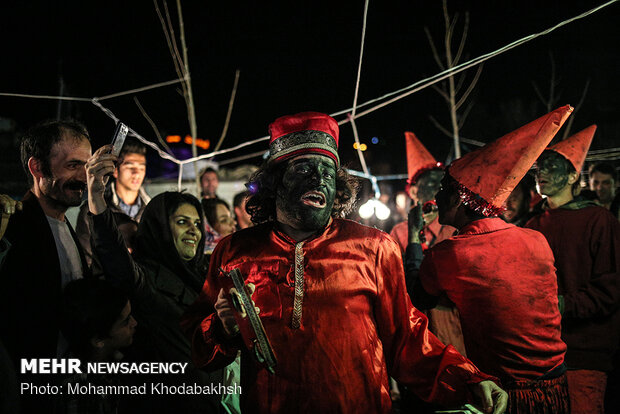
[[154, 241]]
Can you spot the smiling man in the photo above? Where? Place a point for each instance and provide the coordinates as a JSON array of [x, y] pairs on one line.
[[331, 294], [44, 254]]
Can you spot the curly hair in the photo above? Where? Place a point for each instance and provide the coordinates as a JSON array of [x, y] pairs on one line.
[[263, 185]]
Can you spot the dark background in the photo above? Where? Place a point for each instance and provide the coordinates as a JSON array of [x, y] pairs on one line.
[[296, 56]]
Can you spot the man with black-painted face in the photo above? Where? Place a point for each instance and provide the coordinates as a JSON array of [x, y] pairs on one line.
[[585, 239], [331, 294]]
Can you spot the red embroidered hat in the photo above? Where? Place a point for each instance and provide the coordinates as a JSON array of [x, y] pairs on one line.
[[486, 177], [575, 148], [419, 160], [303, 133]]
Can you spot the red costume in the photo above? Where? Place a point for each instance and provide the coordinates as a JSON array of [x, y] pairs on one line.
[[357, 324], [501, 277], [506, 274]]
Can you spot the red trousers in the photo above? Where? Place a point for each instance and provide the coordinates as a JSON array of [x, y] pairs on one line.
[[586, 389]]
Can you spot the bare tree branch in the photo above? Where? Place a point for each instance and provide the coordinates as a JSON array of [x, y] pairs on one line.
[[229, 112], [439, 127], [441, 91], [538, 93], [434, 49], [162, 142], [469, 88], [465, 113], [460, 82], [178, 64], [459, 52], [581, 100]]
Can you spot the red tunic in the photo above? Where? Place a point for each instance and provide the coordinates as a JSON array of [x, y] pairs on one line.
[[357, 324], [433, 234], [502, 280], [586, 245]]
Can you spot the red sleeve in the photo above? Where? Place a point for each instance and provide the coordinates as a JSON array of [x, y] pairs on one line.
[[601, 295], [414, 355], [428, 275], [210, 349]]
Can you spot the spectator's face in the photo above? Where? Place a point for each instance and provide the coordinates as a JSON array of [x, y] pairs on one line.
[[305, 197], [67, 183], [552, 173], [604, 186], [121, 334], [209, 183], [185, 227], [224, 223], [243, 218], [130, 173], [447, 203], [515, 206]]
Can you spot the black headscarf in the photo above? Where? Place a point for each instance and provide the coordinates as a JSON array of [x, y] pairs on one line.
[[154, 241]]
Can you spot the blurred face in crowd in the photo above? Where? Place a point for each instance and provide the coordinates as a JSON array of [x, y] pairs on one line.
[[604, 186], [515, 205], [131, 171], [121, 333], [66, 182], [305, 198], [426, 186], [209, 183], [185, 227], [447, 203], [553, 173], [224, 223], [243, 218]]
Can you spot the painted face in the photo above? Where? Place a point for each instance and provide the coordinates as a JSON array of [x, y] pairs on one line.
[[426, 186], [224, 223], [209, 183], [67, 182], [130, 173], [552, 171], [243, 218], [604, 186], [121, 333], [185, 227], [305, 198]]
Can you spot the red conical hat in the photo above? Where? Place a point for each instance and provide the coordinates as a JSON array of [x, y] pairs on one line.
[[575, 147], [419, 160], [487, 176]]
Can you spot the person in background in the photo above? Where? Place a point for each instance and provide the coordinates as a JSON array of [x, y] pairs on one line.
[[124, 196], [97, 322], [331, 294], [518, 202], [219, 222], [209, 182], [244, 220], [604, 181], [585, 239]]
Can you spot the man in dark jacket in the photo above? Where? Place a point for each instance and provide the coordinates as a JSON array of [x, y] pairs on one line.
[[124, 196], [44, 253]]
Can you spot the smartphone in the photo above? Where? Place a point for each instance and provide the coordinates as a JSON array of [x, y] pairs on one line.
[[120, 133]]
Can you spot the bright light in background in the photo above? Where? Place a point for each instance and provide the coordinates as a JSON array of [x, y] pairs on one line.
[[362, 147], [374, 140], [376, 207]]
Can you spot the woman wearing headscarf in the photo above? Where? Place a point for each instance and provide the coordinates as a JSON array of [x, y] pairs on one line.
[[163, 277]]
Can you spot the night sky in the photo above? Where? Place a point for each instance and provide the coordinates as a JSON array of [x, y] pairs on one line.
[[303, 55]]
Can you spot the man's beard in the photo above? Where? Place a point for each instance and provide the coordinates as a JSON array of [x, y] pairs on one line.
[[61, 192]]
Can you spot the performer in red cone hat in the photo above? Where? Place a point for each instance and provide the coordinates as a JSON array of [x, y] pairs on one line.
[[331, 295], [585, 240], [501, 277]]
